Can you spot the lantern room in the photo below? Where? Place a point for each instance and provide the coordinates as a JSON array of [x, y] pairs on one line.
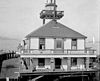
[[50, 11], [50, 6]]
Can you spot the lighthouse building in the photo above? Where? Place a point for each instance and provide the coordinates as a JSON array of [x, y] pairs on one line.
[[55, 47]]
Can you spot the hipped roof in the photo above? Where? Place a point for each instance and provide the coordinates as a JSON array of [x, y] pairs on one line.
[[55, 29]]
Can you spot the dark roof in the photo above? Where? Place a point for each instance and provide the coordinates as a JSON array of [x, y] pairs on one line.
[[55, 29]]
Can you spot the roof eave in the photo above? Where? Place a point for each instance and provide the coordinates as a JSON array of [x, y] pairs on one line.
[[54, 37]]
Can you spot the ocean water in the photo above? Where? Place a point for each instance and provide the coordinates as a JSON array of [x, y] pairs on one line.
[[10, 68]]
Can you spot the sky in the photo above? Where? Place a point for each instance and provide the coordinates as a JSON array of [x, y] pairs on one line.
[[20, 17]]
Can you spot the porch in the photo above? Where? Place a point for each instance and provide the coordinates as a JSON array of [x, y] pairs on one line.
[[57, 64]]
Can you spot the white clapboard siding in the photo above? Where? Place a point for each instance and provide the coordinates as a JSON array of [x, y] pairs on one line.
[[80, 43], [67, 44], [47, 63], [34, 43], [64, 64], [49, 43]]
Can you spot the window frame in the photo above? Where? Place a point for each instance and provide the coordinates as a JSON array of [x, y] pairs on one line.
[[73, 61], [41, 62], [61, 43], [74, 47], [41, 43]]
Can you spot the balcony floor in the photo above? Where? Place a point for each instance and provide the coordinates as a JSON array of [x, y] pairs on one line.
[[57, 71]]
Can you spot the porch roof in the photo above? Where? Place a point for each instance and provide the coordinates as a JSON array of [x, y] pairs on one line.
[[56, 55]]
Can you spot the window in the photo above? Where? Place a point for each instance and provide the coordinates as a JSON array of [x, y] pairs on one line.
[[41, 62], [58, 43], [74, 61], [74, 44], [92, 62], [92, 59], [42, 43], [50, 8]]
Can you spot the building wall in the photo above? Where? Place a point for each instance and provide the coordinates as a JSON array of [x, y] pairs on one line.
[[67, 44], [47, 63], [35, 62], [34, 43], [80, 44], [80, 63], [64, 64], [49, 43]]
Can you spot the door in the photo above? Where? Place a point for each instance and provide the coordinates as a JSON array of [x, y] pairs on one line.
[[57, 63]]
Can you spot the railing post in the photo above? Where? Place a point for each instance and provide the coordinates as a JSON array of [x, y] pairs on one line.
[[67, 52], [87, 63], [52, 64], [69, 64], [7, 78], [29, 45]]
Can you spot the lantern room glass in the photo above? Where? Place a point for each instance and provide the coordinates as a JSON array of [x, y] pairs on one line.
[[50, 8]]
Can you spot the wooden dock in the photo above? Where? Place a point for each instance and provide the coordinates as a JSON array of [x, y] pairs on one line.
[[59, 76]]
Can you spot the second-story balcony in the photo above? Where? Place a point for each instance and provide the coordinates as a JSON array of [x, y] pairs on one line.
[[60, 52], [49, 14]]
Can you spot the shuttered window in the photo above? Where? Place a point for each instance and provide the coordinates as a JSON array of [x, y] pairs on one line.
[[42, 43], [74, 44], [59, 43]]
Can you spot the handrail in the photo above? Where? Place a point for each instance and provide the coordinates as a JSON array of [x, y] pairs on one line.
[[58, 51], [44, 12]]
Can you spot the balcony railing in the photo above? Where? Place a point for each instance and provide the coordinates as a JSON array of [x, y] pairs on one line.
[[53, 51], [49, 14], [59, 69]]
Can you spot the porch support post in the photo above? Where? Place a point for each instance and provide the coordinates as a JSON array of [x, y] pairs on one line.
[[52, 64], [29, 45], [69, 63], [28, 62], [87, 63], [7, 78], [31, 64], [62, 63]]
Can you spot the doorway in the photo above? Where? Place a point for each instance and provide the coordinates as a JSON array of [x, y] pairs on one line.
[[57, 63]]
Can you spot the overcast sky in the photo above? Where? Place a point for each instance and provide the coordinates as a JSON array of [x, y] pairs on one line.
[[20, 17]]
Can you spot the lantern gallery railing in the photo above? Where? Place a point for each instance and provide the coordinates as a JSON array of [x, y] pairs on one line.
[[53, 51], [50, 13]]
